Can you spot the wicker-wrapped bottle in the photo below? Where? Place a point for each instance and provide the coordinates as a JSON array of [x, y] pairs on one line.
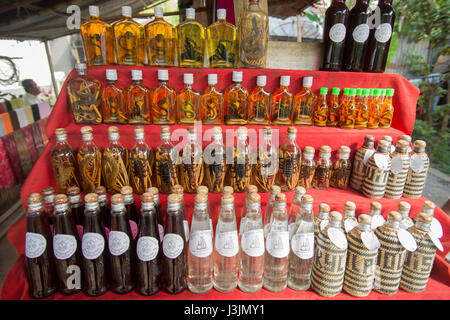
[[329, 258], [359, 163], [375, 212], [349, 222], [323, 215], [403, 209], [362, 254], [391, 148], [377, 172], [399, 170], [436, 227], [418, 264], [407, 139], [418, 170]]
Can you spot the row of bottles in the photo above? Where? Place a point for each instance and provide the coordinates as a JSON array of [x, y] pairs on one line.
[[126, 42]]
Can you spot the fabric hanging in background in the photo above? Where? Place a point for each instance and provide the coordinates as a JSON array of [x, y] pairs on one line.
[[8, 105], [24, 152], [14, 120], [17, 103], [6, 121], [37, 137], [28, 132], [6, 172], [29, 114], [35, 110], [42, 124], [13, 156], [44, 109], [23, 122], [2, 108]]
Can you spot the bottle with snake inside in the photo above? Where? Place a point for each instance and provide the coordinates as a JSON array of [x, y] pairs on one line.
[[322, 174], [114, 108], [374, 109], [140, 162], [191, 169], [211, 102], [289, 162], [190, 42], [362, 110], [265, 169], [321, 109], [188, 102], [259, 102], [282, 103], [89, 159], [235, 101], [340, 174], [333, 108], [221, 42], [163, 100], [129, 39], [64, 162], [304, 102], [240, 170], [215, 162], [138, 100], [165, 163]]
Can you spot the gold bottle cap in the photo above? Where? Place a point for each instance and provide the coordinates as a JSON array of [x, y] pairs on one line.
[[309, 150], [280, 197], [325, 149], [349, 205], [344, 150], [117, 198], [48, 191], [228, 190], [307, 199], [292, 130], [147, 197], [173, 198], [61, 199], [402, 144], [126, 190], [365, 219], [395, 216], [406, 138], [275, 189], [375, 205], [323, 207], [73, 191], [335, 216], [92, 197], [100, 190], [404, 206], [252, 188], [178, 189], [420, 144], [254, 197], [424, 217], [34, 198], [202, 190]]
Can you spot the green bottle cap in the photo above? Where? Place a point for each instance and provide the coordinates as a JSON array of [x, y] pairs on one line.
[[336, 91], [376, 92], [352, 92], [383, 92], [370, 92], [358, 91], [346, 91], [390, 92], [323, 91], [365, 92]]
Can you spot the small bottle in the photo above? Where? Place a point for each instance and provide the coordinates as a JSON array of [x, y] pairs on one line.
[[139, 163], [188, 102], [259, 102], [347, 112], [359, 163], [377, 172], [235, 101], [226, 248], [159, 213], [39, 264], [349, 221], [418, 170], [191, 169], [408, 139], [76, 205], [251, 262], [295, 210], [49, 204], [391, 148], [66, 248], [227, 190], [138, 100], [387, 110], [304, 102], [340, 175], [89, 160], [129, 40], [215, 162], [211, 102], [179, 190], [221, 42], [265, 169], [148, 249], [251, 189], [374, 110], [64, 162], [342, 110], [277, 248], [95, 258], [200, 254], [165, 163], [130, 206], [105, 210], [362, 110], [435, 227], [163, 100], [321, 109], [322, 174], [114, 163], [404, 208], [241, 168], [190, 41], [113, 100], [282, 103], [289, 162], [333, 107], [400, 162], [308, 168], [274, 190], [322, 218], [375, 213]]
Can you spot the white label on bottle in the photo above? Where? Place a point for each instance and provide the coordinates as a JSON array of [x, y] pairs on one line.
[[392, 148], [277, 244], [370, 240], [396, 165], [436, 228], [337, 237], [252, 242], [173, 245], [147, 248], [436, 241], [227, 243], [417, 163], [35, 244], [200, 243], [291, 229], [383, 33], [186, 229], [266, 230], [367, 155], [323, 224], [92, 245], [377, 221], [407, 240], [302, 245], [361, 33], [381, 161], [64, 246], [337, 32], [119, 242], [161, 232], [349, 224]]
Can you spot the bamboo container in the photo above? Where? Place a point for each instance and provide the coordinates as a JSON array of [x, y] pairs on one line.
[[377, 172], [400, 161], [359, 163], [417, 172]]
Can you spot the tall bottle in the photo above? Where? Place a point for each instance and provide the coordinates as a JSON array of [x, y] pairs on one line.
[[235, 101], [179, 190], [221, 42], [251, 189], [211, 102], [39, 263], [334, 31], [321, 219], [215, 164], [49, 204], [294, 210], [377, 172], [274, 190], [139, 164], [89, 160], [322, 174], [138, 100], [307, 168], [374, 110], [404, 208], [163, 99], [435, 227], [191, 169], [333, 108], [165, 164], [204, 191], [282, 103], [400, 162], [349, 221], [98, 39], [105, 210], [76, 205], [240, 170], [289, 162], [304, 104], [159, 213], [188, 102], [362, 110], [321, 109], [359, 163], [190, 42], [266, 167], [129, 39], [130, 207], [259, 102], [340, 175], [114, 104], [114, 163], [64, 162], [418, 170]]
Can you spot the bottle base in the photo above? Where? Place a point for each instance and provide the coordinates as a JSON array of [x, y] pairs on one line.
[[250, 288], [274, 287], [224, 289], [298, 287], [198, 290]]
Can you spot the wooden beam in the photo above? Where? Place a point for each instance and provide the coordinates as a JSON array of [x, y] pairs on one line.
[[50, 64], [17, 4]]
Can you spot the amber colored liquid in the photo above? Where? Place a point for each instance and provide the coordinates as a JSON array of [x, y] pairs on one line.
[[320, 112], [85, 100], [89, 159], [64, 167], [258, 107], [188, 105], [386, 113], [221, 44], [160, 38], [322, 174], [236, 99], [129, 42], [114, 164], [307, 170], [362, 113], [340, 175], [98, 42], [347, 113], [282, 106], [191, 170], [190, 44], [139, 167], [163, 104], [333, 111], [374, 113], [114, 108], [166, 169], [138, 104], [289, 166], [303, 107], [211, 103]]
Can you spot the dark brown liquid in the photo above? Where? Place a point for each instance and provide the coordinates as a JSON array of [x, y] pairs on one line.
[[159, 217], [132, 212], [105, 215], [78, 214]]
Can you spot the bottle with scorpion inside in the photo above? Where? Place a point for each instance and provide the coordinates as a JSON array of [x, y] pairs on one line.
[[235, 101], [138, 103], [114, 163], [64, 162], [211, 102], [165, 163], [38, 250], [375, 213], [66, 248], [251, 189], [188, 102], [240, 170], [265, 169], [304, 104], [400, 163], [321, 219], [89, 159], [215, 164], [121, 247], [163, 100], [191, 169], [377, 172], [349, 221], [342, 168], [140, 163], [259, 102], [362, 156], [84, 97], [322, 173], [130, 206], [49, 197], [221, 42], [274, 190], [404, 208], [158, 210], [417, 174], [307, 168], [294, 210], [76, 205], [282, 103], [105, 210], [289, 162], [114, 108], [190, 42]]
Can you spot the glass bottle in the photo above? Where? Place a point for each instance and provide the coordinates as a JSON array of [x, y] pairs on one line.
[[251, 262], [349, 221], [408, 139], [221, 42], [277, 248], [179, 190], [130, 206], [138, 100], [38, 250], [343, 105], [166, 169], [98, 39], [66, 248], [160, 39], [253, 36], [148, 249], [159, 213], [89, 160], [174, 262], [139, 164], [211, 102], [282, 103], [324, 166], [340, 175], [374, 110], [163, 100], [274, 190], [404, 209], [334, 31], [251, 189], [359, 163], [76, 205], [380, 39], [348, 111], [129, 39], [265, 169], [417, 174], [114, 108], [235, 101], [320, 112], [85, 97], [357, 37], [381, 99], [387, 110], [240, 170], [215, 162], [105, 210], [190, 42], [95, 258], [307, 168], [375, 213], [304, 104], [259, 102], [204, 191], [200, 254], [49, 204], [362, 110], [295, 209], [333, 108], [188, 102], [289, 162], [114, 163], [191, 169], [121, 247], [321, 220]]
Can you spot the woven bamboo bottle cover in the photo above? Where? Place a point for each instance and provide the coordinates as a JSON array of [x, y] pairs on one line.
[[404, 208], [375, 212], [359, 163], [329, 259], [407, 139], [362, 254], [436, 227], [417, 172], [377, 172], [349, 222], [400, 161], [321, 219], [418, 264]]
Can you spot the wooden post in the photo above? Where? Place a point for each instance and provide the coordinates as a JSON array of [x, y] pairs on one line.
[[299, 29], [50, 64]]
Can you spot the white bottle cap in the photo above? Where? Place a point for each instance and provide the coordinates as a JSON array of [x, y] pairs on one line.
[[163, 75], [136, 75], [261, 81], [159, 12], [94, 11], [307, 82], [212, 78], [285, 81], [111, 74], [188, 78], [190, 13], [221, 14], [127, 11], [237, 76]]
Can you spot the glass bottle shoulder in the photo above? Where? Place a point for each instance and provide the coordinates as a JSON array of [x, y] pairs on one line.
[[94, 22], [221, 27], [191, 25], [127, 23], [260, 92], [158, 23], [164, 88], [236, 89], [136, 87], [282, 92]]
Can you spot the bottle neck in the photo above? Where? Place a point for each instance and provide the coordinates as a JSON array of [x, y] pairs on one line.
[[92, 206], [114, 143]]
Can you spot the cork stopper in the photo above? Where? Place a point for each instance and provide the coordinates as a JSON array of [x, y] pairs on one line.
[[387, 138], [73, 191], [227, 199], [34, 198], [126, 190], [323, 207], [280, 197], [292, 130], [404, 206], [173, 198], [307, 199], [86, 130], [113, 130], [201, 198], [369, 138], [406, 138], [335, 216], [382, 146], [48, 191], [178, 189], [91, 197], [252, 188], [60, 131], [424, 217], [153, 190], [275, 189], [394, 216], [202, 190], [100, 190], [375, 206], [309, 150], [61, 134], [147, 197], [117, 198], [402, 144], [344, 150], [349, 205], [299, 191], [61, 199], [267, 131], [254, 197], [165, 129], [365, 219], [325, 149], [228, 190], [420, 144], [139, 132], [428, 206], [216, 130]]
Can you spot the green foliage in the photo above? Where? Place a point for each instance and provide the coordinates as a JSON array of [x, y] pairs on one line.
[[393, 47], [416, 63]]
